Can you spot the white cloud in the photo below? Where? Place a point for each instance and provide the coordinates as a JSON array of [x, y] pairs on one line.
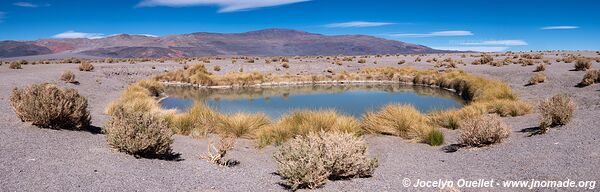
[[358, 24], [73, 35], [224, 5], [474, 48], [435, 34], [559, 27], [25, 4], [499, 42]]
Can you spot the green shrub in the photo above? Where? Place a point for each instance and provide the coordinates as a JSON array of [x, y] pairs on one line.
[[483, 130], [47, 106], [139, 133], [556, 111], [309, 161], [435, 138]]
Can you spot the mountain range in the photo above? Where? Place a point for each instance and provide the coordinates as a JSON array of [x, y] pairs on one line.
[[267, 42]]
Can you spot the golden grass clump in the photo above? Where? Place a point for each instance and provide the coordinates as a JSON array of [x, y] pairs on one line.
[[303, 122], [86, 66], [139, 96], [68, 76], [14, 65], [242, 125], [48, 106], [310, 161], [399, 120], [198, 121], [139, 133], [555, 111], [483, 130], [540, 67], [537, 78], [582, 64], [590, 77]]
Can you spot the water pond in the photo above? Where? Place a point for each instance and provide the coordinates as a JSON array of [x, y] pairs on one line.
[[352, 100]]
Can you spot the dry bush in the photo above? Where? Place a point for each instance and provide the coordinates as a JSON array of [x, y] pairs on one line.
[[590, 77], [68, 76], [139, 133], [483, 130], [303, 122], [362, 60], [86, 66], [485, 59], [401, 62], [540, 67], [537, 78], [399, 120], [47, 106], [555, 111], [583, 64], [216, 154], [217, 68], [285, 65], [310, 161], [15, 65], [242, 124]]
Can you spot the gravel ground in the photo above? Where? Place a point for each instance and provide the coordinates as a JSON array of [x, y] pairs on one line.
[[34, 159]]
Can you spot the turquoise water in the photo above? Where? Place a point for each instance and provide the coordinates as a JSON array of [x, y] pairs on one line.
[[352, 100]]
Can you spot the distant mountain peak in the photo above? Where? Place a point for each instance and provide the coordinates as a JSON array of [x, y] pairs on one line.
[[265, 42]]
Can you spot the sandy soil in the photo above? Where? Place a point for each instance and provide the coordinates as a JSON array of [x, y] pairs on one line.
[[33, 159]]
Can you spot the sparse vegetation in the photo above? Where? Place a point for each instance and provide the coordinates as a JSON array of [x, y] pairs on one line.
[[590, 77], [537, 78], [483, 130], [68, 76], [86, 66], [48, 106], [215, 154], [399, 120], [555, 111], [242, 125], [310, 161], [582, 64], [14, 65], [139, 133], [539, 68]]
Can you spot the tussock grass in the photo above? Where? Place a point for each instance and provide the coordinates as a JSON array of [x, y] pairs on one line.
[[303, 122], [582, 64], [68, 76], [139, 96], [242, 125], [198, 121], [86, 66], [399, 120]]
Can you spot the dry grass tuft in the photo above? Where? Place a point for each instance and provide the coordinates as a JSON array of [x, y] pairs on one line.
[[139, 96], [86, 66], [242, 124], [303, 122], [310, 161], [540, 67], [15, 65], [399, 120], [537, 78], [555, 111], [47, 106], [139, 133], [582, 64], [198, 121], [68, 76], [590, 77], [483, 130]]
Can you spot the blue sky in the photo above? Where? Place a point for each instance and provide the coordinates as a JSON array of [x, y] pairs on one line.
[[460, 24]]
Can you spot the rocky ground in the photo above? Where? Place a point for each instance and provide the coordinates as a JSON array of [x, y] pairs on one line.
[[33, 159]]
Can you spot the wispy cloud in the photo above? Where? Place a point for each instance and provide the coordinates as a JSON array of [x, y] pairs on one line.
[[224, 5], [434, 34], [474, 48], [560, 27], [25, 4], [2, 15], [357, 24], [74, 34], [499, 42]]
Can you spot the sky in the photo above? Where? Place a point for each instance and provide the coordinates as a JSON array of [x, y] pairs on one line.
[[478, 25]]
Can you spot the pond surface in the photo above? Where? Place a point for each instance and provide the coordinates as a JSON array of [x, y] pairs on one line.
[[352, 100]]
